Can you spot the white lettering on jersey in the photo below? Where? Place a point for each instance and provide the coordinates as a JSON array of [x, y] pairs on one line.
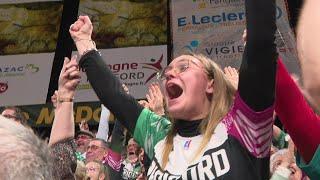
[[211, 166]]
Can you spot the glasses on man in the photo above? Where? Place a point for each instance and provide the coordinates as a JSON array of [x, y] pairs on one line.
[[93, 147], [179, 67]]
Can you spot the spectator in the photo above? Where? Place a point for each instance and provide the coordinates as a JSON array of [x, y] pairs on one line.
[[80, 173], [14, 113], [24, 156], [300, 120], [207, 119], [96, 150], [61, 139], [95, 170], [132, 167], [307, 43], [103, 129], [83, 139]]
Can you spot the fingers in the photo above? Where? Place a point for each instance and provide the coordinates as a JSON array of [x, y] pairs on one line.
[[85, 19], [244, 35], [71, 85], [144, 103], [149, 99], [81, 29], [230, 71], [74, 75], [71, 63], [125, 88], [65, 62], [70, 68], [157, 89], [152, 92]]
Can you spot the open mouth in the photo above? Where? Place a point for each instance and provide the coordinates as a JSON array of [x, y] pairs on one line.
[[173, 90], [131, 153]]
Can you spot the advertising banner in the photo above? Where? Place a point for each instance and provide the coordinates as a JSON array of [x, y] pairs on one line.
[[136, 67], [215, 27], [42, 115], [24, 79]]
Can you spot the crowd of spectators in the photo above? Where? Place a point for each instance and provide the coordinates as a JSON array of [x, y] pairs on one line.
[[223, 127]]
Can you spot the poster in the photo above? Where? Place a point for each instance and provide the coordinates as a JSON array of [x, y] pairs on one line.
[[42, 115], [215, 27], [134, 66]]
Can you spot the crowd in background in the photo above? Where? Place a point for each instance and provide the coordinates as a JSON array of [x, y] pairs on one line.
[[143, 141]]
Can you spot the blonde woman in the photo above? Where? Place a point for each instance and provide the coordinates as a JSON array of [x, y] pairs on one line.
[[216, 132]]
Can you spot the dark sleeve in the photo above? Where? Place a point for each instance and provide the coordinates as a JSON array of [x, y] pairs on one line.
[[109, 90], [258, 68], [64, 159], [118, 138]]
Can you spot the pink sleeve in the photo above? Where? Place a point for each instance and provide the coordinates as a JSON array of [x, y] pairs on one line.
[[252, 129], [298, 118]]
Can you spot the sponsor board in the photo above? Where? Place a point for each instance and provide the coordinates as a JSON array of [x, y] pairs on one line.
[[135, 66], [43, 114], [215, 27], [25, 78]]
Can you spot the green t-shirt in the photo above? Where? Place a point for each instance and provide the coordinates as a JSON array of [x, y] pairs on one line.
[[313, 168], [281, 142], [150, 129]]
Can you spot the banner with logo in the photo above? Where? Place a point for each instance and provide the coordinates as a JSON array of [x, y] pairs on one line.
[[28, 37], [135, 66], [24, 79], [43, 114], [123, 23], [214, 28]]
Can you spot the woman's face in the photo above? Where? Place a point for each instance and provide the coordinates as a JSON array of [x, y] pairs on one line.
[[186, 88]]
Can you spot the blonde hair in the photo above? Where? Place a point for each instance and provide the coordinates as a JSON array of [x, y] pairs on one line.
[[221, 101]]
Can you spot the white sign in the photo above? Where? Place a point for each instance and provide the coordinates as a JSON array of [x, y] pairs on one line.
[[24, 79], [214, 28], [135, 66]]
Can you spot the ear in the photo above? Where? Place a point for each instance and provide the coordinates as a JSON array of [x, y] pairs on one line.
[[210, 86]]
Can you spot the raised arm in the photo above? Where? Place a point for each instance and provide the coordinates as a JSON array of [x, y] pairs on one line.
[[103, 129], [61, 139], [105, 84], [63, 124], [258, 68], [296, 115]]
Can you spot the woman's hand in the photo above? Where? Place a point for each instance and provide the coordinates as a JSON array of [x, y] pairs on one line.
[[81, 32], [232, 75], [69, 78], [81, 29], [155, 99]]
